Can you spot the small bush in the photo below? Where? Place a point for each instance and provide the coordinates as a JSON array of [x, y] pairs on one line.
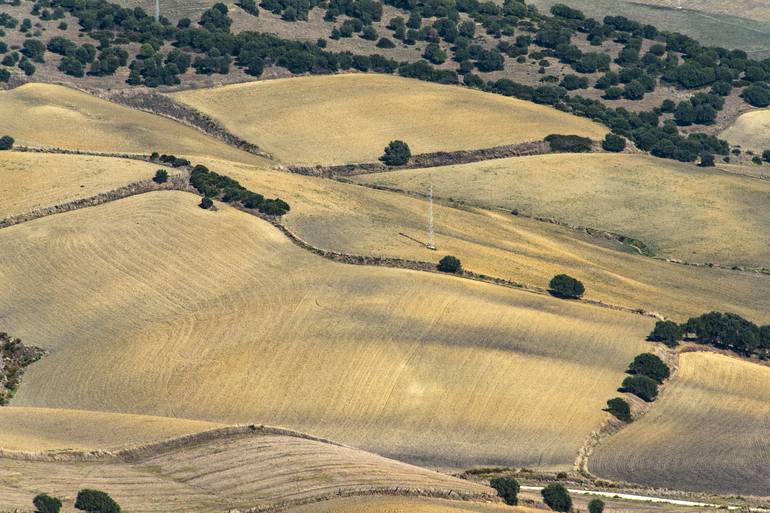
[[620, 409], [596, 506], [569, 143], [397, 153], [450, 264], [647, 364], [668, 332], [96, 501], [614, 143], [566, 287], [642, 387], [46, 504], [556, 497], [6, 142], [507, 488], [384, 42], [161, 176], [206, 203]]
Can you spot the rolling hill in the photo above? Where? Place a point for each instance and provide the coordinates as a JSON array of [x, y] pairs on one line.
[[750, 131], [352, 117]]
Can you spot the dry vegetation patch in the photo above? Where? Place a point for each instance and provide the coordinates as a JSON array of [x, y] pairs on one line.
[[678, 210], [707, 431], [750, 131], [405, 505], [178, 308], [351, 118]]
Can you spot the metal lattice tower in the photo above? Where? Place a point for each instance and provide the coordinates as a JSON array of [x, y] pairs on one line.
[[157, 10], [430, 244]]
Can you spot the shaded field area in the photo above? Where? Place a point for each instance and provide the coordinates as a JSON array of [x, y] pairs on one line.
[[679, 211], [56, 116], [708, 431], [29, 181], [359, 220], [351, 118], [244, 471], [178, 307], [750, 131], [405, 505]]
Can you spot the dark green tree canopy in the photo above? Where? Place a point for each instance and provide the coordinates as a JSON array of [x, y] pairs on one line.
[[648, 364], [397, 153], [620, 409], [46, 504], [450, 264], [6, 142], [668, 332], [641, 386], [96, 501], [507, 488], [596, 506], [565, 286], [557, 498]]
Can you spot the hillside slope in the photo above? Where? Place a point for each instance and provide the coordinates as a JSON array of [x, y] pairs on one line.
[[175, 308]]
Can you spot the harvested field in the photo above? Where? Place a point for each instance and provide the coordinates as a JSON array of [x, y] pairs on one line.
[[708, 431], [240, 472], [42, 429], [353, 219], [57, 116], [351, 118], [178, 307], [29, 181], [405, 505], [679, 211], [750, 131]]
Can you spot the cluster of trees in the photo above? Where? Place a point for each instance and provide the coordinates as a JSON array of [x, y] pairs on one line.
[[88, 500], [171, 160], [566, 287], [569, 143], [14, 358], [213, 185], [554, 495], [647, 372], [721, 330]]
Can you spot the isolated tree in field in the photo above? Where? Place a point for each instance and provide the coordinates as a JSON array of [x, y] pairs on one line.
[[6, 142], [620, 409], [596, 506], [397, 153], [614, 143], [450, 264], [206, 203], [507, 488], [648, 364], [46, 504], [96, 501], [668, 332], [566, 286], [161, 176], [642, 387], [556, 497]]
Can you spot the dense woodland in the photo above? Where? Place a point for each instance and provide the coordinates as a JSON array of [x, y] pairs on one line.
[[452, 30]]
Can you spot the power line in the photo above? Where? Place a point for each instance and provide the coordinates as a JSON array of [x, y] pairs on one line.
[[430, 244]]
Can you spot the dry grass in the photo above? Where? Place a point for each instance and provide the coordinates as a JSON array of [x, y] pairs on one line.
[[681, 211], [175, 308], [42, 429], [359, 220], [29, 181], [750, 131], [57, 116], [708, 431], [241, 472], [351, 118], [405, 505]]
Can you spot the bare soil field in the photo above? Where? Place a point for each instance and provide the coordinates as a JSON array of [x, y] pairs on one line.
[[56, 116], [351, 118], [359, 220], [707, 431], [176, 308], [260, 470], [679, 211], [29, 181]]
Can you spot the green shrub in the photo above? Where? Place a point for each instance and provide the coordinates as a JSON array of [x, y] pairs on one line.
[[706, 160], [450, 264], [46, 504], [384, 42], [96, 501], [596, 506], [161, 176], [206, 203], [6, 142], [642, 387], [556, 497], [569, 143], [507, 488], [668, 332], [567, 287], [620, 409], [397, 153], [614, 143], [647, 364]]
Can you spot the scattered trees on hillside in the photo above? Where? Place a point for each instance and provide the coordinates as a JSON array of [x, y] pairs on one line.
[[6, 142], [214, 185], [95, 501], [557, 498], [507, 488], [46, 504], [450, 264], [619, 408], [397, 153], [565, 286]]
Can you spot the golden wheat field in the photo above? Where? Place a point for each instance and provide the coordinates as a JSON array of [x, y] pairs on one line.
[[50, 115], [30, 181], [679, 210], [353, 219], [205, 473], [175, 308], [750, 131], [707, 431], [351, 118]]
